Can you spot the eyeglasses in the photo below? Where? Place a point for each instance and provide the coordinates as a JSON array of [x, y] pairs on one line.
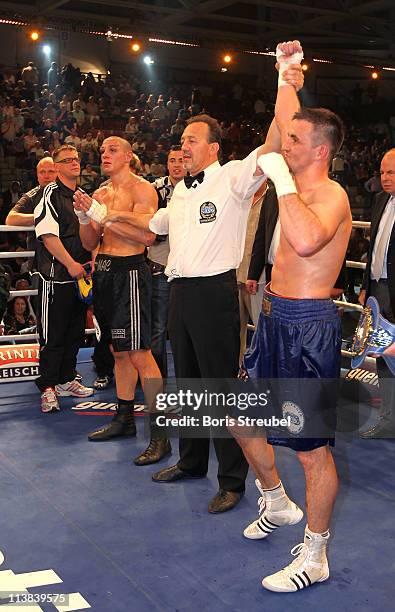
[[68, 160]]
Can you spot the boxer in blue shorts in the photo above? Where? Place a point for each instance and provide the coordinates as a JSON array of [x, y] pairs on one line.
[[298, 339]]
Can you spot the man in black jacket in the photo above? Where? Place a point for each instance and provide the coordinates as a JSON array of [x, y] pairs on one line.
[[266, 241], [59, 259], [379, 281]]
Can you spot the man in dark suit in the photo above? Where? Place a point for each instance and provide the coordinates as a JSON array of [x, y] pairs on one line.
[[379, 281], [263, 251]]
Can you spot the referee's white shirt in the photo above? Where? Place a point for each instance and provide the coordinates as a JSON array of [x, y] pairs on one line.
[[207, 223]]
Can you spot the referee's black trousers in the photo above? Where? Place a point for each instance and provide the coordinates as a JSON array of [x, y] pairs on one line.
[[204, 330], [61, 326]]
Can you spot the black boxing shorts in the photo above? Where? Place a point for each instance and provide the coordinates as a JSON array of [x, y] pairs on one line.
[[122, 301]]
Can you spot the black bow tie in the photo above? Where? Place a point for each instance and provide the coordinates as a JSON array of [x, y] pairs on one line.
[[189, 180]]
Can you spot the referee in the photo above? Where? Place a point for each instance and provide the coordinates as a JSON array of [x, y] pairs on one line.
[[206, 221]]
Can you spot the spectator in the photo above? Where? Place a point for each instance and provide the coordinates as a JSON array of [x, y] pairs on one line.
[[79, 115], [92, 110], [132, 126], [89, 178], [17, 316], [73, 139], [10, 197], [157, 169], [53, 76], [30, 75], [160, 111]]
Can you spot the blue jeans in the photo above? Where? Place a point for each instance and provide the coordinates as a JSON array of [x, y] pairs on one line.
[[159, 313]]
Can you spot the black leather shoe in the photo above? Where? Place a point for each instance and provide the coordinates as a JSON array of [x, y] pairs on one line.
[[382, 429], [122, 425], [157, 449], [224, 501], [172, 474]]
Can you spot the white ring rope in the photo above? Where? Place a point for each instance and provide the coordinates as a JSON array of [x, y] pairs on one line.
[[16, 254], [16, 228], [23, 337], [27, 292]]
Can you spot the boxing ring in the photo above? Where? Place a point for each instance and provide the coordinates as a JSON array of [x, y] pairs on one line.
[[80, 521]]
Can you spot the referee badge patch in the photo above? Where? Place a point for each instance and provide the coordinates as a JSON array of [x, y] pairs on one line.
[[208, 212]]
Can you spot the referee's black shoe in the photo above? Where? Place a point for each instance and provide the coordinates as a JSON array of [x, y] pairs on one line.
[[172, 474], [122, 425], [157, 449], [224, 501]]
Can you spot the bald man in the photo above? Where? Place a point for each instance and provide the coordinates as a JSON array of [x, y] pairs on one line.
[[379, 282], [22, 213], [122, 280]]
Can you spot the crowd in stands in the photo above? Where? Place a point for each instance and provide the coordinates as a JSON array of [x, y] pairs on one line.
[[40, 110]]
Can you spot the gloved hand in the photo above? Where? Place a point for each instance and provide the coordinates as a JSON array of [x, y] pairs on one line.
[[274, 166], [285, 58], [82, 217], [97, 212]]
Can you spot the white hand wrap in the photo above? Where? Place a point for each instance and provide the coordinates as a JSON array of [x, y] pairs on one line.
[[274, 166], [285, 61], [82, 217], [97, 212]]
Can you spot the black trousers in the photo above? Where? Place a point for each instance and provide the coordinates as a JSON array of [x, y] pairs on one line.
[[204, 330], [61, 327], [380, 291], [103, 358]]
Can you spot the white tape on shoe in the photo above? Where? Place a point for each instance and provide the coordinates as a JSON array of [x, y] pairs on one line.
[[286, 61]]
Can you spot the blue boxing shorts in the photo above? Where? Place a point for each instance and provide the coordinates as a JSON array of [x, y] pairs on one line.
[[296, 349]]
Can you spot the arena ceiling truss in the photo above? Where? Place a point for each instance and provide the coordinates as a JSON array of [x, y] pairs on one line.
[[334, 28]]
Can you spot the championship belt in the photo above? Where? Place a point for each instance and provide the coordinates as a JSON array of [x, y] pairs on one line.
[[372, 336]]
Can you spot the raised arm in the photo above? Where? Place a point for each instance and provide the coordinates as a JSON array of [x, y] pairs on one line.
[[287, 103], [290, 80]]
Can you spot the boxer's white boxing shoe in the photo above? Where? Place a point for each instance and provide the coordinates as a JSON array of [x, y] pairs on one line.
[[49, 401], [310, 565], [275, 510], [73, 388]]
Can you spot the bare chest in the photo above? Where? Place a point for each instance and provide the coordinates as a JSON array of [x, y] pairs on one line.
[[118, 199]]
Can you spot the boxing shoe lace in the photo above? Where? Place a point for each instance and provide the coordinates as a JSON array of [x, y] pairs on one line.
[[49, 401], [261, 504], [73, 388], [310, 566], [270, 520]]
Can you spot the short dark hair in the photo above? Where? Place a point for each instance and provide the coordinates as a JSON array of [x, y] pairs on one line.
[[214, 129], [175, 148], [64, 147], [326, 124]]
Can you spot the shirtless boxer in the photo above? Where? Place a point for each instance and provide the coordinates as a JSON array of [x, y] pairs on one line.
[[298, 333], [122, 280]]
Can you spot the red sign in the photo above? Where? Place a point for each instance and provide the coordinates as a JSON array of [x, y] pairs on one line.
[[19, 362]]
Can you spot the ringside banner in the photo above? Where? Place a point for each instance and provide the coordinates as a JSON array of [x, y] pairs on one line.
[[19, 362]]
